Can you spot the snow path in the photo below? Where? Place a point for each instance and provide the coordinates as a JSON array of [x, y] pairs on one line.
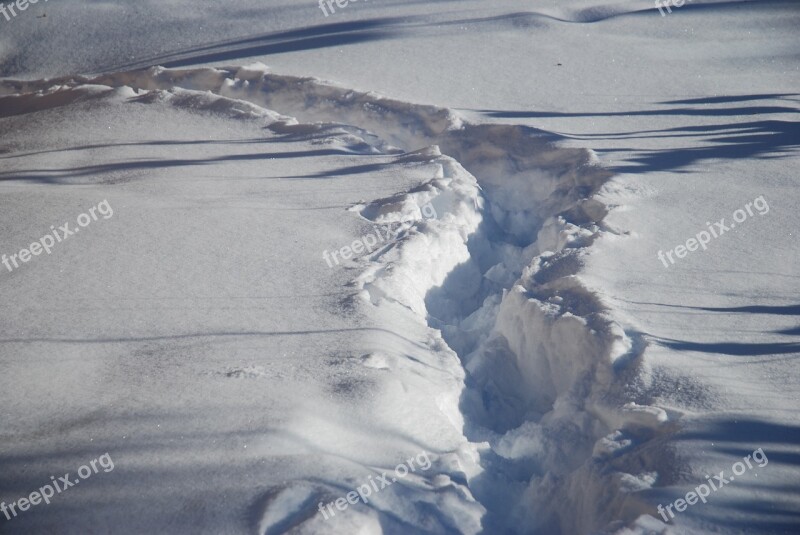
[[562, 425], [695, 111], [496, 272]]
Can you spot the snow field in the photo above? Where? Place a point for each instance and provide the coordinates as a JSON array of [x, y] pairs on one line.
[[536, 342], [529, 336]]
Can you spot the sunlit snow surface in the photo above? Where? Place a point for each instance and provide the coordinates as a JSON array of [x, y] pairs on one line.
[[450, 251]]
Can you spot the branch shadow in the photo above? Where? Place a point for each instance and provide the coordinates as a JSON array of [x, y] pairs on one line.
[[769, 138], [60, 176], [732, 348]]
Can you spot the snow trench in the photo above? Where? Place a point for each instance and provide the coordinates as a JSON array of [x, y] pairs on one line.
[[552, 393]]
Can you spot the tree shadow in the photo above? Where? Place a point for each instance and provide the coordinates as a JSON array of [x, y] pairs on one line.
[[384, 28], [65, 175], [732, 348], [769, 138]]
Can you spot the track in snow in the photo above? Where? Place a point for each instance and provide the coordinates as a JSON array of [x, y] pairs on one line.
[[554, 404]]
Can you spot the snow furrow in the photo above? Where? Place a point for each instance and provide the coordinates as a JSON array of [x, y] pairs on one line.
[[553, 401]]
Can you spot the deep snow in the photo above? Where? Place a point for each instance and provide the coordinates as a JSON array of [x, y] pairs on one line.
[[528, 336]]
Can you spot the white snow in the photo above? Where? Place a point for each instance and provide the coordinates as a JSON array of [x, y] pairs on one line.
[[528, 336]]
